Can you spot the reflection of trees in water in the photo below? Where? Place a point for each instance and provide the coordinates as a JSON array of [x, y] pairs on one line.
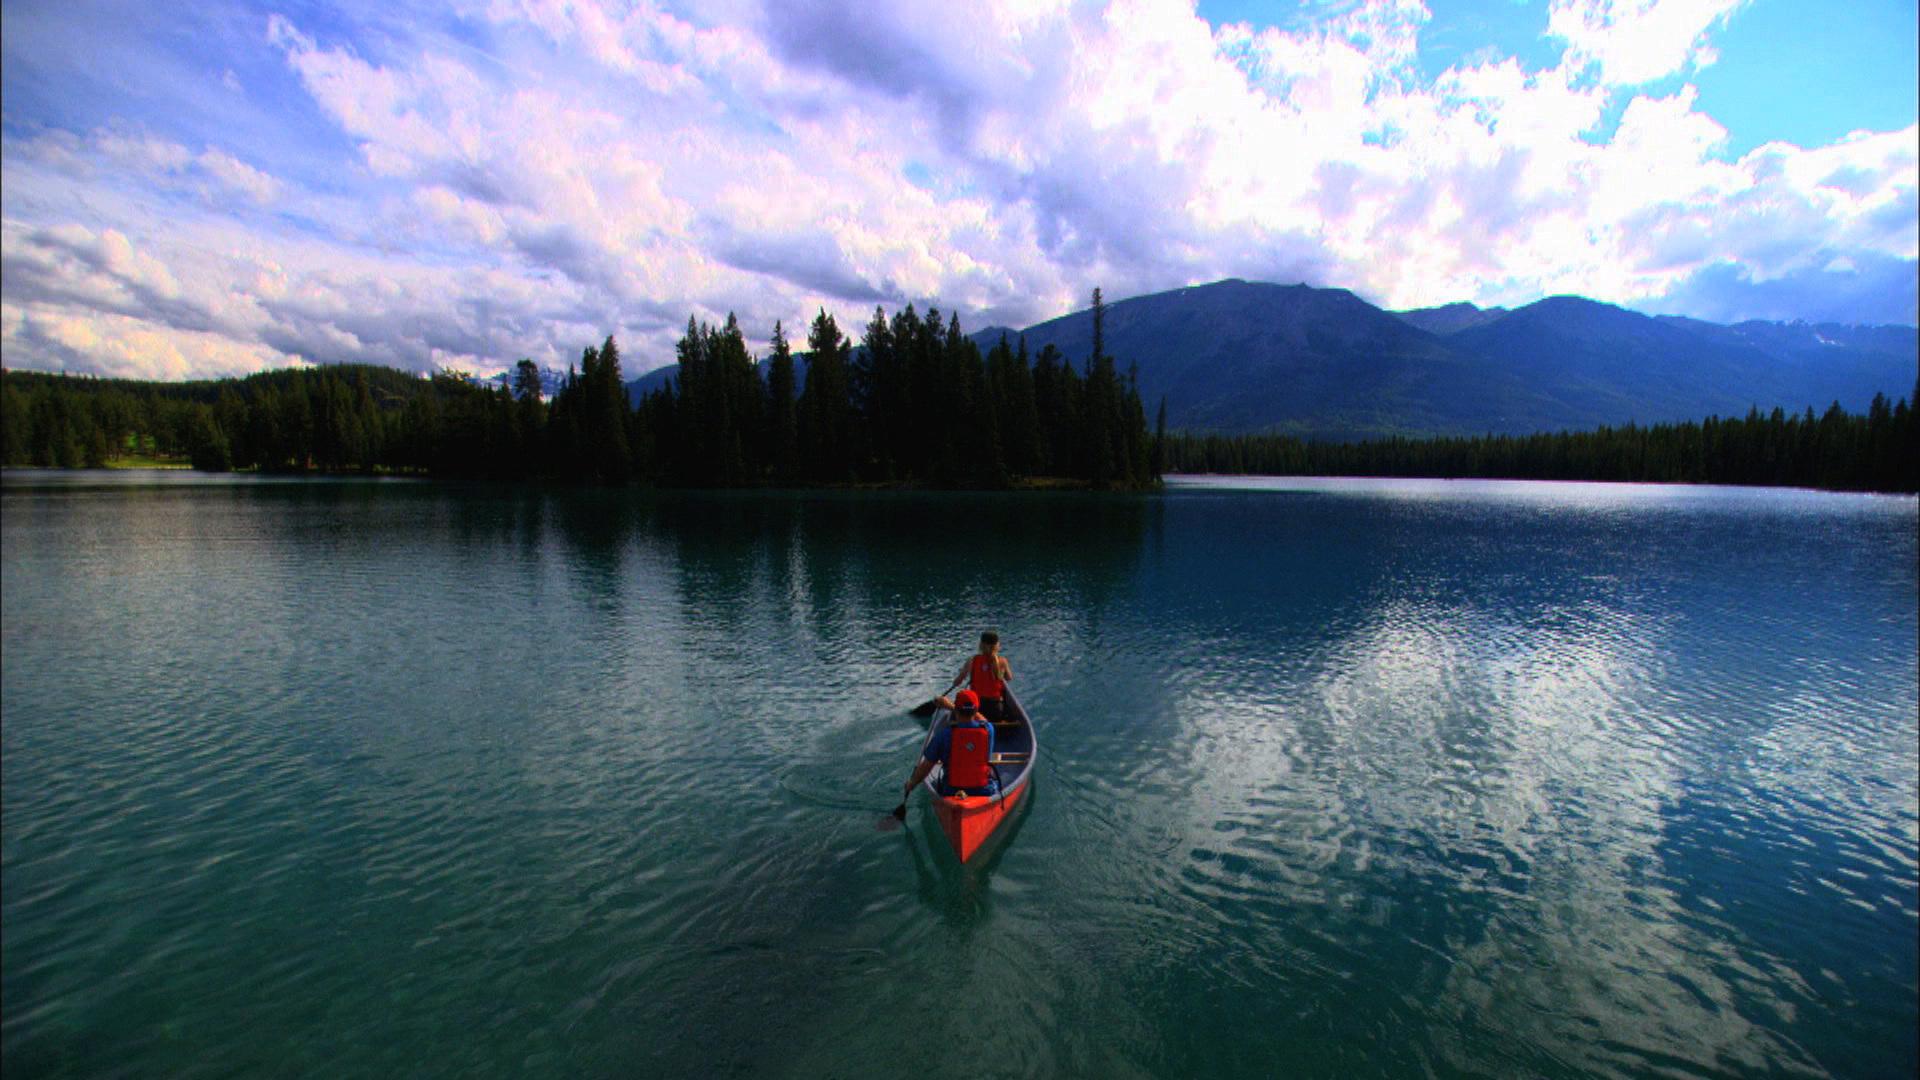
[[918, 563], [320, 509], [529, 524], [832, 574], [723, 548], [597, 530], [823, 574]]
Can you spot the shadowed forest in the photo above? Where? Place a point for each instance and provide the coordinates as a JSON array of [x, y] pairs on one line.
[[914, 403], [1837, 450]]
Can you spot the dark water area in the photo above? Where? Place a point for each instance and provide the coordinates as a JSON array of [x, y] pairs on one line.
[[1339, 778]]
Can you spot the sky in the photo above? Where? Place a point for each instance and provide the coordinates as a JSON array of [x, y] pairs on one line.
[[215, 188]]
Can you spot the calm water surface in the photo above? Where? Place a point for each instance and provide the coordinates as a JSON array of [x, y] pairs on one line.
[[1341, 778]]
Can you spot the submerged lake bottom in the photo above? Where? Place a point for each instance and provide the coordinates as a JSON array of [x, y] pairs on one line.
[[1339, 778]]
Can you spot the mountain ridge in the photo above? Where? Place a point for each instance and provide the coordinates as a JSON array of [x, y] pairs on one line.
[[1238, 356]]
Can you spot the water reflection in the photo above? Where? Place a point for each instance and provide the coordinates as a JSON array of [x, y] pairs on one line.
[[1475, 770], [1361, 781], [961, 894]]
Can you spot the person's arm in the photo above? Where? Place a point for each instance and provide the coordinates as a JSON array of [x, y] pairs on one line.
[[920, 772], [966, 669], [930, 755], [1006, 670]]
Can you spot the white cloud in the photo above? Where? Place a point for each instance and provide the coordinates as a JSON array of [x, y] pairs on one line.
[[145, 159], [600, 170], [91, 300], [239, 176], [1639, 41], [130, 347]]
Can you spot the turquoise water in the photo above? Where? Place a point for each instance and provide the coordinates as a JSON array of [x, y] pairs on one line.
[[1339, 778]]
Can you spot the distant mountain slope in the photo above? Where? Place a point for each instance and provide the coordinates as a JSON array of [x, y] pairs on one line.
[[1247, 356], [1237, 356], [1586, 363], [1450, 318], [647, 382], [991, 336], [1592, 363], [1825, 362]]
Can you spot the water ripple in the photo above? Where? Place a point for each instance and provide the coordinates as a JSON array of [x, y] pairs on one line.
[[1349, 780]]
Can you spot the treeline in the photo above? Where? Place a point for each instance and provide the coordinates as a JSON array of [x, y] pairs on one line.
[[334, 418], [1838, 450], [915, 402], [356, 418]]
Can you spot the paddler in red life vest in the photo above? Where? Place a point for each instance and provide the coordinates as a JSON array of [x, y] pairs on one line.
[[964, 746], [987, 674]]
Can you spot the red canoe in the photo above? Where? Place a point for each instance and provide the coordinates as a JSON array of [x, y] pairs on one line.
[[970, 821]]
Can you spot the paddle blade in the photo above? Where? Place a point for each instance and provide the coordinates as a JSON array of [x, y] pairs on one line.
[[925, 709], [894, 820]]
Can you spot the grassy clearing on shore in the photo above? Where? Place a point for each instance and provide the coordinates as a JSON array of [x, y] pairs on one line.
[[1049, 483], [147, 461]]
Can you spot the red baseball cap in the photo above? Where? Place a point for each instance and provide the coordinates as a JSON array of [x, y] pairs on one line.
[[966, 701]]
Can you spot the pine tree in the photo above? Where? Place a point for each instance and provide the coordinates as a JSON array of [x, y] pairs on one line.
[[1159, 464], [526, 380], [826, 407], [914, 435], [733, 410], [692, 455], [785, 443], [1100, 413], [1013, 402], [882, 397]]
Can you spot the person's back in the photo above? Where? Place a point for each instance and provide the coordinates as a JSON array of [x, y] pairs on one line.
[[969, 757], [987, 674], [964, 746]]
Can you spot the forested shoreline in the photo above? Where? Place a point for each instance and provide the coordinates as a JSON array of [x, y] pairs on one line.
[[1837, 450], [916, 403]]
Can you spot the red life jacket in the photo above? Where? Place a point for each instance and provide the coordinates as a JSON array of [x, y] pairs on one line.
[[967, 765], [986, 677]]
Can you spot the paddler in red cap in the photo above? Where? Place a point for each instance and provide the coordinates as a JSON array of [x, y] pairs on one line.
[[964, 746]]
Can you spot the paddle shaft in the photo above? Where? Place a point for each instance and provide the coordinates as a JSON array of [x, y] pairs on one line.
[[900, 812], [928, 708]]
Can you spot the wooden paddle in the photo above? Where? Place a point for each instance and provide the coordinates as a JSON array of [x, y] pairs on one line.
[[899, 816], [928, 708]]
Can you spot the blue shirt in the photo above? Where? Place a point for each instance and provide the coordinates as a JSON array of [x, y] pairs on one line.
[[936, 750]]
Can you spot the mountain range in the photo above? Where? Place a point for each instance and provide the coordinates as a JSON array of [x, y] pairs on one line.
[[1238, 356]]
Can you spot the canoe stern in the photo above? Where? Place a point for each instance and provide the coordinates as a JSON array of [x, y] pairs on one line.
[[969, 821]]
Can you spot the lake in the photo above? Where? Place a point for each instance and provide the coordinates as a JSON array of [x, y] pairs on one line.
[[1339, 778]]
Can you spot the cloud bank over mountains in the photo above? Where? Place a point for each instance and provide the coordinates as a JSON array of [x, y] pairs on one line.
[[518, 178]]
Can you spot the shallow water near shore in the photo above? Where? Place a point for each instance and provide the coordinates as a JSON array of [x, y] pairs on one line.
[[1339, 778]]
